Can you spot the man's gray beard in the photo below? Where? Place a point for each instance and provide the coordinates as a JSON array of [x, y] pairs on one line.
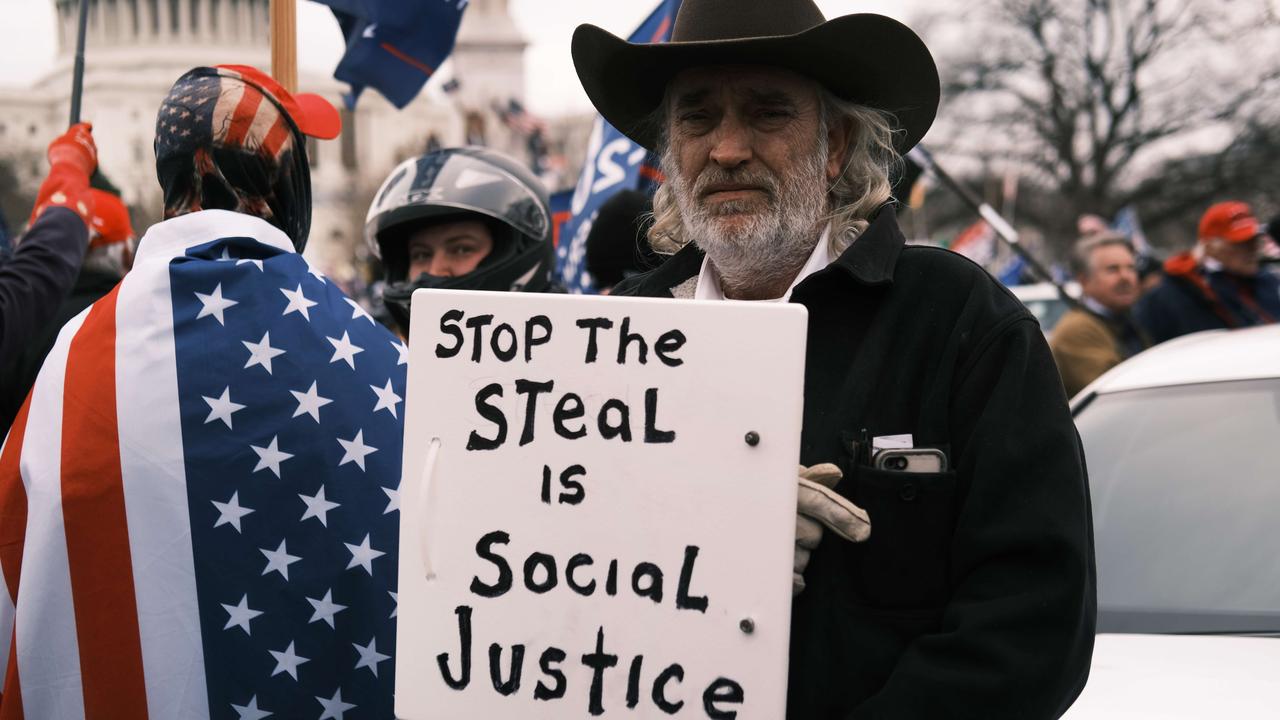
[[774, 244]]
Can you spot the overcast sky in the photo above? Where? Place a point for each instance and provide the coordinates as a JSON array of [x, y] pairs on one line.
[[27, 42]]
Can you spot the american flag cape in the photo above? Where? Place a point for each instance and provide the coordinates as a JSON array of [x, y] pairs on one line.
[[198, 502]]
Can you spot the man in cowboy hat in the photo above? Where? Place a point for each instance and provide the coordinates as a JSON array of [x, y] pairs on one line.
[[972, 594]]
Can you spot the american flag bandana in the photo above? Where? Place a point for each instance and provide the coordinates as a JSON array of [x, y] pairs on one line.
[[199, 500], [225, 143]]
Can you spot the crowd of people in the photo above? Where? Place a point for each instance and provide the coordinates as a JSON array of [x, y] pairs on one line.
[[1219, 283], [133, 404]]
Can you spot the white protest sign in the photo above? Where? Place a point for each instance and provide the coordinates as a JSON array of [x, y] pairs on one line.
[[598, 511]]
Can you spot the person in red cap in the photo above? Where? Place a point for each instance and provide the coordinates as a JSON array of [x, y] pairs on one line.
[[198, 497], [1219, 283], [43, 266]]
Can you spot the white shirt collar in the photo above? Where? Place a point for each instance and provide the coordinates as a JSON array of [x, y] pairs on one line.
[[709, 280], [1097, 307], [174, 236]]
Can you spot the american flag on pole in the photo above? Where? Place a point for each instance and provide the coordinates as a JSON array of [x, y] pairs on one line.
[[199, 500]]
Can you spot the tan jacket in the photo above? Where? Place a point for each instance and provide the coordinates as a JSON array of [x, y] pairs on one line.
[[1084, 347]]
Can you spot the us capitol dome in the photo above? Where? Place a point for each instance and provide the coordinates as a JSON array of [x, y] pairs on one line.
[[136, 49]]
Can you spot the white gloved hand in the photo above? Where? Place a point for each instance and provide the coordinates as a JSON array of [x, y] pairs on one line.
[[818, 506]]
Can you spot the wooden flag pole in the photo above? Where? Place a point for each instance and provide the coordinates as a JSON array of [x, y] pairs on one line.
[[284, 43]]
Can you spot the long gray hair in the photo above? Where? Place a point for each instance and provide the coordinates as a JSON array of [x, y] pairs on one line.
[[861, 188]]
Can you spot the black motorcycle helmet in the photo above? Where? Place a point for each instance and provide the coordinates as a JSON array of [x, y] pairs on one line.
[[467, 183]]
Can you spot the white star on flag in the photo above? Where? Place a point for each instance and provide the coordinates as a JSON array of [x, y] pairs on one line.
[[325, 609], [250, 711], [260, 353], [214, 304], [396, 600], [344, 349], [278, 560], [240, 615], [363, 555], [387, 398], [287, 661], [355, 450], [309, 402], [369, 656], [317, 506], [270, 456], [249, 261], [221, 407], [334, 708], [403, 351], [358, 311], [312, 269], [298, 302], [393, 499], [225, 256], [230, 512]]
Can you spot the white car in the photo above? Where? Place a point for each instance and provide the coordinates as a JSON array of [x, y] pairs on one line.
[[1182, 444], [1045, 302]]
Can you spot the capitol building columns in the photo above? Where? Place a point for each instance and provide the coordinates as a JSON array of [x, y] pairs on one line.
[[137, 48]]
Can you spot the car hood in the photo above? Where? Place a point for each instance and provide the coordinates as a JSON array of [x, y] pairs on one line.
[[1141, 677]]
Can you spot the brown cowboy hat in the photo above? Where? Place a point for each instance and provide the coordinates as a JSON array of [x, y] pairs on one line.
[[868, 59]]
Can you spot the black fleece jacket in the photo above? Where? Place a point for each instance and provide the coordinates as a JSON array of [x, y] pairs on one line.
[[975, 595]]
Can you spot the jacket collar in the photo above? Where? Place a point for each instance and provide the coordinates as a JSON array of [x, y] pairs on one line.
[[869, 261], [871, 258]]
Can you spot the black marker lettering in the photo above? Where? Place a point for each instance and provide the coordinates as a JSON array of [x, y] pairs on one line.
[[593, 324], [685, 601], [512, 684], [464, 652], [449, 326], [477, 323], [569, 408], [531, 389], [721, 690], [623, 428], [484, 551], [537, 321], [673, 671], [671, 341], [651, 432], [598, 661], [625, 338], [549, 656]]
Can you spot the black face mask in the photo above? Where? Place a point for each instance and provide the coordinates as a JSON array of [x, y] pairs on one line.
[[516, 264], [197, 172]]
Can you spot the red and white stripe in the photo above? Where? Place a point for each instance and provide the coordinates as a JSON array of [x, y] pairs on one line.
[[244, 117], [98, 611]]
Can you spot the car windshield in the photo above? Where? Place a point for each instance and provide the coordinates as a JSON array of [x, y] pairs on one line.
[[1048, 311], [1186, 505]]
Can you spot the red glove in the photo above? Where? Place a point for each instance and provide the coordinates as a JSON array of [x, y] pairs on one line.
[[72, 158]]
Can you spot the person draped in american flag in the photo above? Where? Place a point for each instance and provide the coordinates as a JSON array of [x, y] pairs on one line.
[[198, 500]]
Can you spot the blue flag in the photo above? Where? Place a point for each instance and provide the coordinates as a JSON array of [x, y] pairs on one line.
[[613, 163], [4, 234], [394, 47]]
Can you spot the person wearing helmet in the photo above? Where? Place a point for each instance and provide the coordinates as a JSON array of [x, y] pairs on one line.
[[465, 218]]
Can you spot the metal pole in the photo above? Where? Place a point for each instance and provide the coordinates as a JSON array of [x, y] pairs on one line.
[[77, 73], [1002, 228]]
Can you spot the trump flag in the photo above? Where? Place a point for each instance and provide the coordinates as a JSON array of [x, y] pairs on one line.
[[198, 501], [393, 46], [614, 162]]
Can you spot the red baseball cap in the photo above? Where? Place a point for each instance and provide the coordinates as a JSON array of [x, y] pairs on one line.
[[110, 220], [313, 115], [1231, 221]]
